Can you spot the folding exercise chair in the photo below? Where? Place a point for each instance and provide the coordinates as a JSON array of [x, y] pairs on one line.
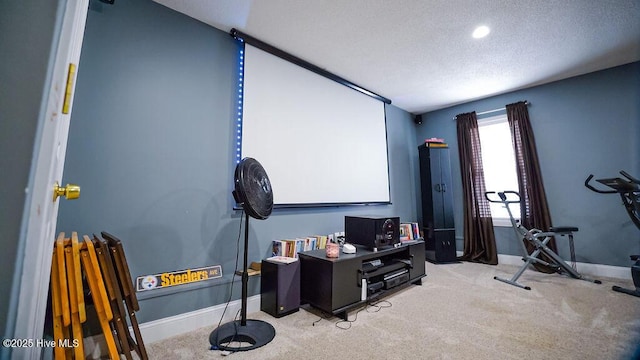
[[539, 240]]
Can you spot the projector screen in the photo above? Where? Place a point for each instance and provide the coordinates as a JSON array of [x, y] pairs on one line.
[[320, 142]]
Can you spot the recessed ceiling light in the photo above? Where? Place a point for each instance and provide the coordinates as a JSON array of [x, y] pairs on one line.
[[481, 31]]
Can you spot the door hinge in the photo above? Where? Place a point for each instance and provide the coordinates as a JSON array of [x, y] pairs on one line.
[[69, 88]]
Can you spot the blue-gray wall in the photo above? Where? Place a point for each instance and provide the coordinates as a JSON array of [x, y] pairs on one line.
[[151, 145], [583, 125], [27, 31]]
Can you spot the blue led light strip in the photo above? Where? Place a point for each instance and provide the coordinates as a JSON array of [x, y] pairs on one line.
[[240, 101]]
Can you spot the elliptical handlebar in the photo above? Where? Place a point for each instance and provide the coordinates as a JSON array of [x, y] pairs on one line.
[[503, 196], [628, 189], [590, 187], [627, 184], [631, 178]]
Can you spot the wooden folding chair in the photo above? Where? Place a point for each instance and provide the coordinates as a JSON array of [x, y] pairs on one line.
[[60, 299], [99, 295], [76, 294], [128, 291], [107, 274], [119, 320]]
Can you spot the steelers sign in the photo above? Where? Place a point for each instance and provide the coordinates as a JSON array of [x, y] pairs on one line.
[[158, 281]]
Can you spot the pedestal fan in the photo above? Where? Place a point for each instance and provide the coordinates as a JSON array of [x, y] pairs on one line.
[[253, 192]]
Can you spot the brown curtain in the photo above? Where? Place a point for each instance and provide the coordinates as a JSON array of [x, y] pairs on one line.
[[479, 241], [534, 211]]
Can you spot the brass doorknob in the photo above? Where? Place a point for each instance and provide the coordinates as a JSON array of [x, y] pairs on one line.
[[70, 192]]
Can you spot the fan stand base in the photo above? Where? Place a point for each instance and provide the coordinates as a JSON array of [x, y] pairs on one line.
[[255, 333]]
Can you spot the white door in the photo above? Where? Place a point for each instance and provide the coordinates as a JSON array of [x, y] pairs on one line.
[[37, 244]]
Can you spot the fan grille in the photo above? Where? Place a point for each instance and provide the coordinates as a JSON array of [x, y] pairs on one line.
[[253, 188]]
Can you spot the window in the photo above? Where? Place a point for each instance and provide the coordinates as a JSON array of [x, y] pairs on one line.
[[499, 164]]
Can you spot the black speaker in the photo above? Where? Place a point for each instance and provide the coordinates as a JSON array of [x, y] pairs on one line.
[[280, 288], [372, 232], [417, 119]]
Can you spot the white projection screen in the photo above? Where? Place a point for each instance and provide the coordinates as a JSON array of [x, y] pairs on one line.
[[320, 142]]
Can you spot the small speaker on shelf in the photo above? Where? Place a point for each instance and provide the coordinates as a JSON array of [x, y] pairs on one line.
[[417, 119]]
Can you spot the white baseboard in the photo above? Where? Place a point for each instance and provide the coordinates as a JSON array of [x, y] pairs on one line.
[[164, 328], [595, 270], [617, 272], [161, 329]]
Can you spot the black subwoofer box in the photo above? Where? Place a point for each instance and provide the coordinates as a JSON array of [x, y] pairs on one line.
[[372, 232], [280, 288]]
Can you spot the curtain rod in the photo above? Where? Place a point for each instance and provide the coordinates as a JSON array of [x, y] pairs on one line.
[[494, 110]]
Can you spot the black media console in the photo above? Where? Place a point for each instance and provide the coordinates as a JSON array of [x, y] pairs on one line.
[[336, 285]]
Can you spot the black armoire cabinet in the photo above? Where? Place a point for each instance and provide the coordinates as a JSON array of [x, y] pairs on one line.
[[437, 203]]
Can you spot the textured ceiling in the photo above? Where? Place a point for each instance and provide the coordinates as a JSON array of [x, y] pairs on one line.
[[420, 53]]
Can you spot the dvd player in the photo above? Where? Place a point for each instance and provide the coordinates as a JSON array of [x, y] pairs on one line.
[[394, 274], [394, 279]]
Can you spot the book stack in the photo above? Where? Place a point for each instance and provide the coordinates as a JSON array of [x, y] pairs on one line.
[[409, 232], [291, 247], [435, 142]]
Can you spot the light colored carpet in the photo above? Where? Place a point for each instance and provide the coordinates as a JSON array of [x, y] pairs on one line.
[[459, 312]]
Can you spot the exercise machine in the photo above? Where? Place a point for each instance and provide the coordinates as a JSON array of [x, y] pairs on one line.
[[628, 188], [539, 240]]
